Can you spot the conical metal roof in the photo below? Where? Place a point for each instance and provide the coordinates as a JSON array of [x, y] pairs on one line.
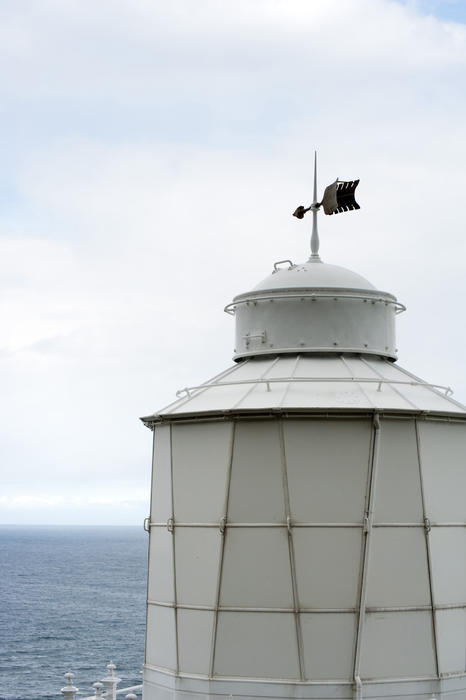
[[313, 383]]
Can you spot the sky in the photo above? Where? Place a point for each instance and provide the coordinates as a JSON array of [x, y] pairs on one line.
[[152, 154]]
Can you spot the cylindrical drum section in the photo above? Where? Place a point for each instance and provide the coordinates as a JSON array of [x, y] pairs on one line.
[[315, 321], [307, 556]]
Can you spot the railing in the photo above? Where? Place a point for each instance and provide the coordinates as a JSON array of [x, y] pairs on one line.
[[286, 380], [399, 307], [106, 688]]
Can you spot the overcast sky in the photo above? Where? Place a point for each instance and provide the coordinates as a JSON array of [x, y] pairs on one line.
[[152, 153]]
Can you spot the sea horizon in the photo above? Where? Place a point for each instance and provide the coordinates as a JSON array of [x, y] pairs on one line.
[[73, 598]]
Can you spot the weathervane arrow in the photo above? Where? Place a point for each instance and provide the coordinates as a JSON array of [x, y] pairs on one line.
[[338, 197]]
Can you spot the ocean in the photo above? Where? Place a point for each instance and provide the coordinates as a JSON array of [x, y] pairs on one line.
[[70, 598]]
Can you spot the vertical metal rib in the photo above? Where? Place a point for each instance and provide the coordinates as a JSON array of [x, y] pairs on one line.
[[429, 556], [431, 388], [292, 373], [368, 520], [254, 383], [222, 551], [286, 494], [152, 481], [205, 387], [351, 373], [393, 388], [175, 596]]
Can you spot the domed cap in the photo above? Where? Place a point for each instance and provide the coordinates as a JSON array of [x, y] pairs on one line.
[[313, 275], [314, 307]]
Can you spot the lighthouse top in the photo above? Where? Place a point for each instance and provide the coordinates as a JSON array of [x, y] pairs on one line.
[[314, 337], [314, 307]]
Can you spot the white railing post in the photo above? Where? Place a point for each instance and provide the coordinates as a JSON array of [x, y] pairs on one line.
[[69, 691], [97, 689], [131, 696], [111, 681]]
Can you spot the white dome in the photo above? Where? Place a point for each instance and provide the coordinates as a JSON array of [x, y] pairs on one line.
[[314, 275]]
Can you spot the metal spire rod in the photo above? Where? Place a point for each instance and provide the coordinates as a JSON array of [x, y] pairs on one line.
[[315, 208]]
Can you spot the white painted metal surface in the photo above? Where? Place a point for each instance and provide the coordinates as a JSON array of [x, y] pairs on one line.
[[314, 307], [313, 382], [308, 525], [272, 583]]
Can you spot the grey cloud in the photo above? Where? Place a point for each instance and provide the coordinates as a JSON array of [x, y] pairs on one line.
[[125, 244]]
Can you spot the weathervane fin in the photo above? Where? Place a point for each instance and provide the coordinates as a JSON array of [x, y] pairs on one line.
[[339, 197]]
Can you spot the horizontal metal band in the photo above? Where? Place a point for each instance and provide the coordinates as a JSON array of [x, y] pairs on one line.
[[313, 296], [303, 413], [205, 686], [302, 610], [295, 524]]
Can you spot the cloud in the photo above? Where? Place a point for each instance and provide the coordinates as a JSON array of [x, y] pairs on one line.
[[171, 145]]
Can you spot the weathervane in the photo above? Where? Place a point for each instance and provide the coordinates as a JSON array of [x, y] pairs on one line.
[[338, 197]]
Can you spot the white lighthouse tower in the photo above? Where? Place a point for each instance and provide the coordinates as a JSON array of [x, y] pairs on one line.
[[308, 509]]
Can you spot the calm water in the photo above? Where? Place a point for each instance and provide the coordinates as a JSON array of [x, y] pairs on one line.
[[70, 597]]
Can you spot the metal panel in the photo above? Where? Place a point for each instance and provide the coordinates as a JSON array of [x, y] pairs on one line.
[[256, 569], [451, 636], [328, 562], [197, 558], [324, 395], [200, 462], [252, 369], [327, 465], [228, 396], [398, 493], [260, 397], [367, 532], [160, 575], [257, 645], [448, 552], [328, 640], [414, 395], [398, 572], [284, 367], [161, 475], [379, 394], [398, 645], [443, 453], [325, 366], [256, 488], [194, 640], [160, 637]]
